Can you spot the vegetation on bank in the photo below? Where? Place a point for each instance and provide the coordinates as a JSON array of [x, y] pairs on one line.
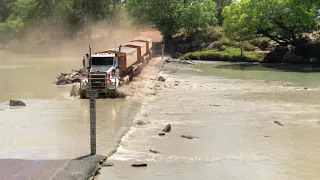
[[218, 29], [40, 20], [285, 22]]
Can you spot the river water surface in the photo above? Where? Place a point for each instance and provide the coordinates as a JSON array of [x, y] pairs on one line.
[[233, 122], [53, 125], [232, 118]]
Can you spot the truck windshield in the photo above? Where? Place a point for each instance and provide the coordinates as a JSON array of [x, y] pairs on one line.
[[101, 61]]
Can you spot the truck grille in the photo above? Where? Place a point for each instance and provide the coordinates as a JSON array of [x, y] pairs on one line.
[[98, 81]]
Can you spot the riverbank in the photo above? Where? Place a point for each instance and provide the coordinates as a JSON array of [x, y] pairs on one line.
[[211, 44], [81, 168], [232, 121]]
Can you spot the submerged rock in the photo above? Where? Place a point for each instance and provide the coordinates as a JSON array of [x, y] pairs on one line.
[[139, 165], [16, 103], [189, 136], [167, 128], [278, 123]]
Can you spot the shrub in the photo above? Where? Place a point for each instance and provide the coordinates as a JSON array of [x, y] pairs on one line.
[[262, 43], [229, 54]]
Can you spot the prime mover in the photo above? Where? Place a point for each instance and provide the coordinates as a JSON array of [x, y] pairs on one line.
[[107, 70]]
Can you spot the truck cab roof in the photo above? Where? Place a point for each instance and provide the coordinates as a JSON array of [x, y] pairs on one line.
[[103, 55]]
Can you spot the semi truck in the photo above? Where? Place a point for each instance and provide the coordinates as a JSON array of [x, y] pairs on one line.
[[107, 69]]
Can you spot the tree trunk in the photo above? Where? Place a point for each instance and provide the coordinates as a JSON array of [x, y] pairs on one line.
[[241, 50]]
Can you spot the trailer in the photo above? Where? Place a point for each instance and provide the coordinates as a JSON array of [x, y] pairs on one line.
[[108, 68]]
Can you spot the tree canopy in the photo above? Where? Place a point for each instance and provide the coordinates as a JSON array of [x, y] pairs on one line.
[[170, 16], [48, 16], [280, 20], [220, 6]]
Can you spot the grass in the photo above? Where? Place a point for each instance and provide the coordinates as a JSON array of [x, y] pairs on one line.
[[228, 54]]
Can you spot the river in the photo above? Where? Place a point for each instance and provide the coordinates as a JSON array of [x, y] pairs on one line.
[[231, 111], [233, 122], [53, 125]]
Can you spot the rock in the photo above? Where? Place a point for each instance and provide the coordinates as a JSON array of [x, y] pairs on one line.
[[167, 128], [162, 134], [16, 103], [139, 165], [278, 123], [189, 136], [154, 151], [107, 164], [291, 57], [169, 60], [276, 55], [305, 88], [161, 78], [176, 83]]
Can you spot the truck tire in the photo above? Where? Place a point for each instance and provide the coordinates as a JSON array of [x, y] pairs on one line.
[[112, 94], [82, 94]]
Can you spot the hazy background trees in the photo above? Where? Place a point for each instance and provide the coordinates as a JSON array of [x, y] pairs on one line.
[[283, 21]]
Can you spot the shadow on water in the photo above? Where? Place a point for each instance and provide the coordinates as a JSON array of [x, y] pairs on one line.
[[270, 66], [305, 75]]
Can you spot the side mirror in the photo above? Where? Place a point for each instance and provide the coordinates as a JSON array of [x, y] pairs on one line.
[[87, 55]]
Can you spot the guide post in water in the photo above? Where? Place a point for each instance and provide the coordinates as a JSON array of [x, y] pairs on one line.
[[92, 95]]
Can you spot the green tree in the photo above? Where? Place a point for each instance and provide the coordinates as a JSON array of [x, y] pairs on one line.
[[283, 21], [170, 16], [220, 5], [52, 18]]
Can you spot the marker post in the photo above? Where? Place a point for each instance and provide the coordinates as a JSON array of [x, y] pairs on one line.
[[92, 95]]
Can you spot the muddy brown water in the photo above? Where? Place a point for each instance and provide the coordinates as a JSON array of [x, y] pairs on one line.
[[53, 125]]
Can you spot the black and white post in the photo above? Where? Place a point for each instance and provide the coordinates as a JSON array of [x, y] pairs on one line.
[[92, 95]]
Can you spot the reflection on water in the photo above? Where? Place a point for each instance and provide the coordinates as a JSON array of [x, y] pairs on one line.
[[52, 125], [300, 74]]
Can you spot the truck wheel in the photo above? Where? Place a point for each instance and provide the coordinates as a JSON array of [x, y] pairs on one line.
[[82, 94], [112, 94]]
